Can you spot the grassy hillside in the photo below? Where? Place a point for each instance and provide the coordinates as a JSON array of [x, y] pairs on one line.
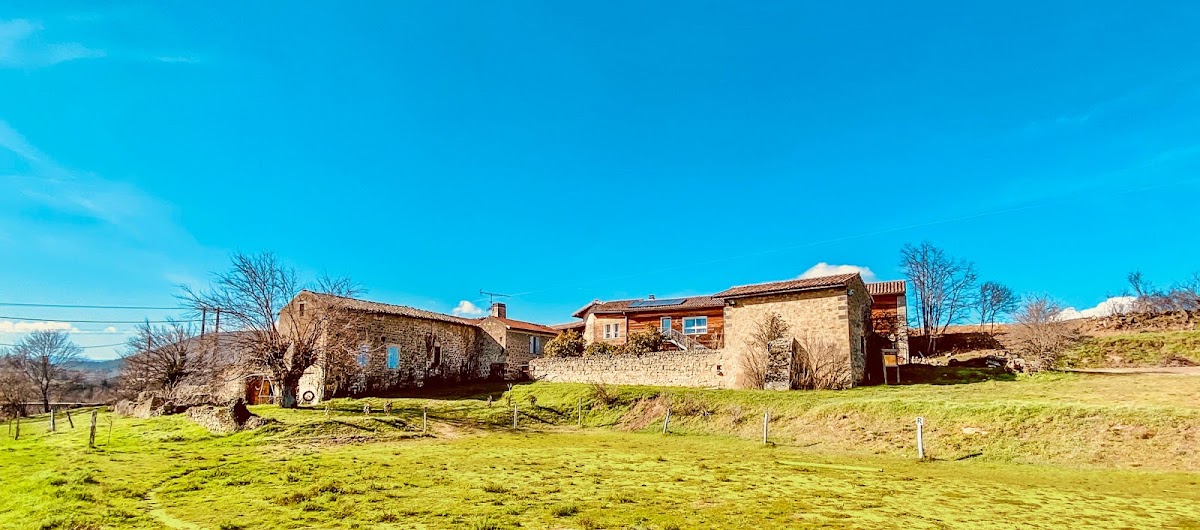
[[1066, 419], [1136, 349], [1060, 450]]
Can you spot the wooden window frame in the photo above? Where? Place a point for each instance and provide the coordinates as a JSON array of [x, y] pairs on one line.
[[696, 329]]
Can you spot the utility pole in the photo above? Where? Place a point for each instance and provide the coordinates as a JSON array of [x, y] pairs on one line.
[[203, 319]]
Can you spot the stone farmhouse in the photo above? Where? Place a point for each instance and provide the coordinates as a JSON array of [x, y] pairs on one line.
[[402, 347], [710, 337]]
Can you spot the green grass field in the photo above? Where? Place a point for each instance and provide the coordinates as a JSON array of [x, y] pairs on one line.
[[1059, 451], [1135, 349]]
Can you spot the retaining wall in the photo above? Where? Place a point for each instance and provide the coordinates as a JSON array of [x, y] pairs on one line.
[[702, 369]]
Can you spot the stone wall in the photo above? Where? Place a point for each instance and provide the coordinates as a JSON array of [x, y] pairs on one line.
[[493, 344], [517, 352], [820, 316], [703, 369], [429, 350], [857, 302]]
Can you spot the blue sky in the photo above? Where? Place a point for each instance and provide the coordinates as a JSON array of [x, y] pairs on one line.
[[564, 151]]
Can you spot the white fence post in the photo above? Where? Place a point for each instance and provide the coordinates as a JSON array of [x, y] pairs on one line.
[[921, 437]]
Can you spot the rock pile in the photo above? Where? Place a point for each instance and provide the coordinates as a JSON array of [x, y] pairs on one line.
[[229, 418]]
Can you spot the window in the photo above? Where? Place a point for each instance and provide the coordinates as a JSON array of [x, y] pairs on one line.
[[301, 308], [393, 357], [695, 326], [363, 355], [612, 331], [535, 345], [664, 324]]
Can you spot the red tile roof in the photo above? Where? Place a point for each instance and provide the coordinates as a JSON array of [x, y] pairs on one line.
[[787, 286], [393, 309], [884, 288], [526, 326], [623, 306]]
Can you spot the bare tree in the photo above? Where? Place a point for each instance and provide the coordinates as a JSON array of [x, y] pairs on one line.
[[754, 359], [1184, 296], [282, 343], [994, 299], [42, 357], [821, 365], [1038, 334], [163, 357], [15, 390], [942, 286]]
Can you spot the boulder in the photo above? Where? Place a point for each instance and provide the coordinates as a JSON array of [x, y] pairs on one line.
[[224, 419]]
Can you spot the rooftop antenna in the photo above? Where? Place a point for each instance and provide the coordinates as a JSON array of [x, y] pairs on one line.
[[491, 296]]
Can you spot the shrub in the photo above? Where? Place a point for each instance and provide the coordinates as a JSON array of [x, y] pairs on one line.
[[600, 348], [821, 366], [564, 510], [604, 394], [566, 344], [646, 341], [754, 359], [495, 487], [1038, 334]]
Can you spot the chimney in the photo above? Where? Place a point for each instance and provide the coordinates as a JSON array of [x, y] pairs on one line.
[[499, 310]]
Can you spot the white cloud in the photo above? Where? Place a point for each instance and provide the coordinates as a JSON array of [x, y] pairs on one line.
[[21, 47], [825, 269], [1112, 306], [8, 326], [467, 309], [110, 329]]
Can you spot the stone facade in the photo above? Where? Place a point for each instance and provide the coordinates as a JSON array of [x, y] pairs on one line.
[[403, 347], [506, 351], [429, 350], [782, 366], [704, 369], [836, 317]]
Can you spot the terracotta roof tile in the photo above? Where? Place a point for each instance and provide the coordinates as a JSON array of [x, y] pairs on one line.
[[392, 309], [888, 287], [801, 284], [526, 326]]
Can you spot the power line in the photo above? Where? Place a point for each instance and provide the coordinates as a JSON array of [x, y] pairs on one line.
[[80, 306], [82, 347], [100, 321]]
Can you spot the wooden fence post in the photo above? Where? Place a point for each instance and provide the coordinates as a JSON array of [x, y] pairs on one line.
[[766, 420], [17, 436], [92, 430], [52, 422], [69, 420], [514, 416], [667, 421], [424, 419], [580, 413]]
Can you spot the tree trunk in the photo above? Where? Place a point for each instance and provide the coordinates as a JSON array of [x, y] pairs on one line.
[[287, 392], [46, 403]]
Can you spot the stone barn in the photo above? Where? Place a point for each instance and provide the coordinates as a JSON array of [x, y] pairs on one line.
[[405, 347]]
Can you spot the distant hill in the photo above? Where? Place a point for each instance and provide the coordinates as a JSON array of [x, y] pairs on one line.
[[92, 369]]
